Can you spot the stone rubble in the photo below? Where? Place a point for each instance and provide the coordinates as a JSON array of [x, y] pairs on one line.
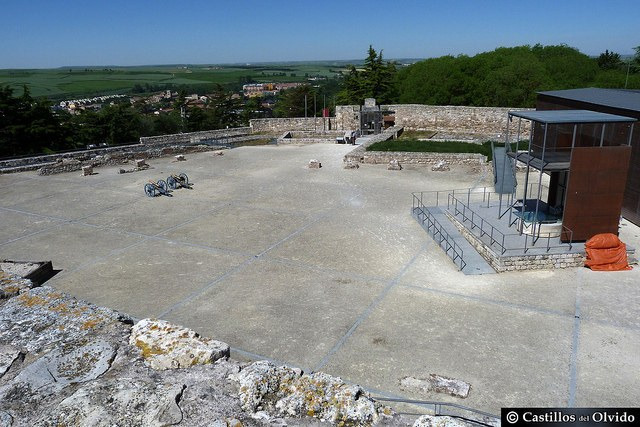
[[438, 384], [68, 362], [441, 421], [441, 166], [166, 346], [394, 165], [291, 393], [314, 164], [351, 164], [11, 285]]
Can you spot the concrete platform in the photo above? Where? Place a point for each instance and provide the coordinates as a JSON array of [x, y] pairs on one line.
[[325, 269]]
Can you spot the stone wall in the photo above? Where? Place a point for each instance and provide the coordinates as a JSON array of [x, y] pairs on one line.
[[279, 125], [502, 263], [384, 157], [487, 121], [309, 137], [72, 161], [361, 155], [195, 137], [120, 157], [347, 117], [450, 122]]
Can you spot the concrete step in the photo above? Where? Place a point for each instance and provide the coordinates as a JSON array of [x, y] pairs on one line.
[[475, 263]]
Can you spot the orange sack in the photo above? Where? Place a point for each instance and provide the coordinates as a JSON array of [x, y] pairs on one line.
[[605, 252]]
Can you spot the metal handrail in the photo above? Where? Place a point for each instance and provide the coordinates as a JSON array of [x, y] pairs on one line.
[[437, 408], [496, 237], [493, 231], [435, 228]]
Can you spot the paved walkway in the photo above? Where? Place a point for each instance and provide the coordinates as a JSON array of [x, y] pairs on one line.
[[326, 269], [472, 262]]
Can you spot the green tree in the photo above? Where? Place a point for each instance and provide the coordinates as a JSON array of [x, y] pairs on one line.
[[609, 60], [635, 61], [505, 77], [376, 80], [28, 125], [169, 123], [291, 102]]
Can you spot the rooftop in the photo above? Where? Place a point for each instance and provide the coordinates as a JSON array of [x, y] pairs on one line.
[[570, 116], [325, 269], [616, 98]]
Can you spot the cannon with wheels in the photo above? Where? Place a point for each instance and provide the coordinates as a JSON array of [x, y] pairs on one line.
[[178, 181], [153, 189]]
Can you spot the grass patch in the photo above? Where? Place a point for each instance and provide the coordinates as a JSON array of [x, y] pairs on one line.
[[412, 145], [417, 134]]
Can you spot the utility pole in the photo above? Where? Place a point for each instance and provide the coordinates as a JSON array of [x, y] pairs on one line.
[[305, 106], [627, 79]]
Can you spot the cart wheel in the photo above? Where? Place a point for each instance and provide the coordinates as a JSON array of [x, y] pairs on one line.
[[149, 190], [162, 186], [185, 179], [171, 182]]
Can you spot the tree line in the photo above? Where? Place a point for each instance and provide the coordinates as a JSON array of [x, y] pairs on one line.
[[504, 77], [31, 126]]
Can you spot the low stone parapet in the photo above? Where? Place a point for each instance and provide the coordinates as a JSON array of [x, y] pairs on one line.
[[411, 158]]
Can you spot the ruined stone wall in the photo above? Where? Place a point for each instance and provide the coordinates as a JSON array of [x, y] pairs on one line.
[[279, 125], [471, 122], [487, 121], [347, 117], [384, 157], [72, 161], [120, 157], [194, 137]]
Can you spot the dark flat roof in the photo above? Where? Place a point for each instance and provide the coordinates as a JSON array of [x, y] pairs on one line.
[[616, 98], [570, 116]]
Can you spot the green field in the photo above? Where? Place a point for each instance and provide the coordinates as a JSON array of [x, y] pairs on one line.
[[64, 83]]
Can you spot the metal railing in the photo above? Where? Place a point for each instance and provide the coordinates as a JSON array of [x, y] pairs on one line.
[[472, 415], [439, 234], [496, 238]]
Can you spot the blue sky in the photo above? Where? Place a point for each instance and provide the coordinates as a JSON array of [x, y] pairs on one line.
[[52, 33]]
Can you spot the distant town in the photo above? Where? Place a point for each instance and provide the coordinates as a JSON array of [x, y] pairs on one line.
[[162, 102]]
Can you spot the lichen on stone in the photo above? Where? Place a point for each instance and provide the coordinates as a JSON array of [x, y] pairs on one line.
[[166, 346]]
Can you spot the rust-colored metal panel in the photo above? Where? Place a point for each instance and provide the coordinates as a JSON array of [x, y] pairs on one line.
[[595, 191], [631, 203]]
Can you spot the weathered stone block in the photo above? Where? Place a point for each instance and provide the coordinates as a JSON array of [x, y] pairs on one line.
[[140, 163], [440, 166], [180, 158], [440, 421], [166, 346], [438, 384], [394, 165], [314, 164], [288, 392], [87, 170], [350, 164]]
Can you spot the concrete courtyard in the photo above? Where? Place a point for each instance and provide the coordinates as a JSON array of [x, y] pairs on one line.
[[325, 269]]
